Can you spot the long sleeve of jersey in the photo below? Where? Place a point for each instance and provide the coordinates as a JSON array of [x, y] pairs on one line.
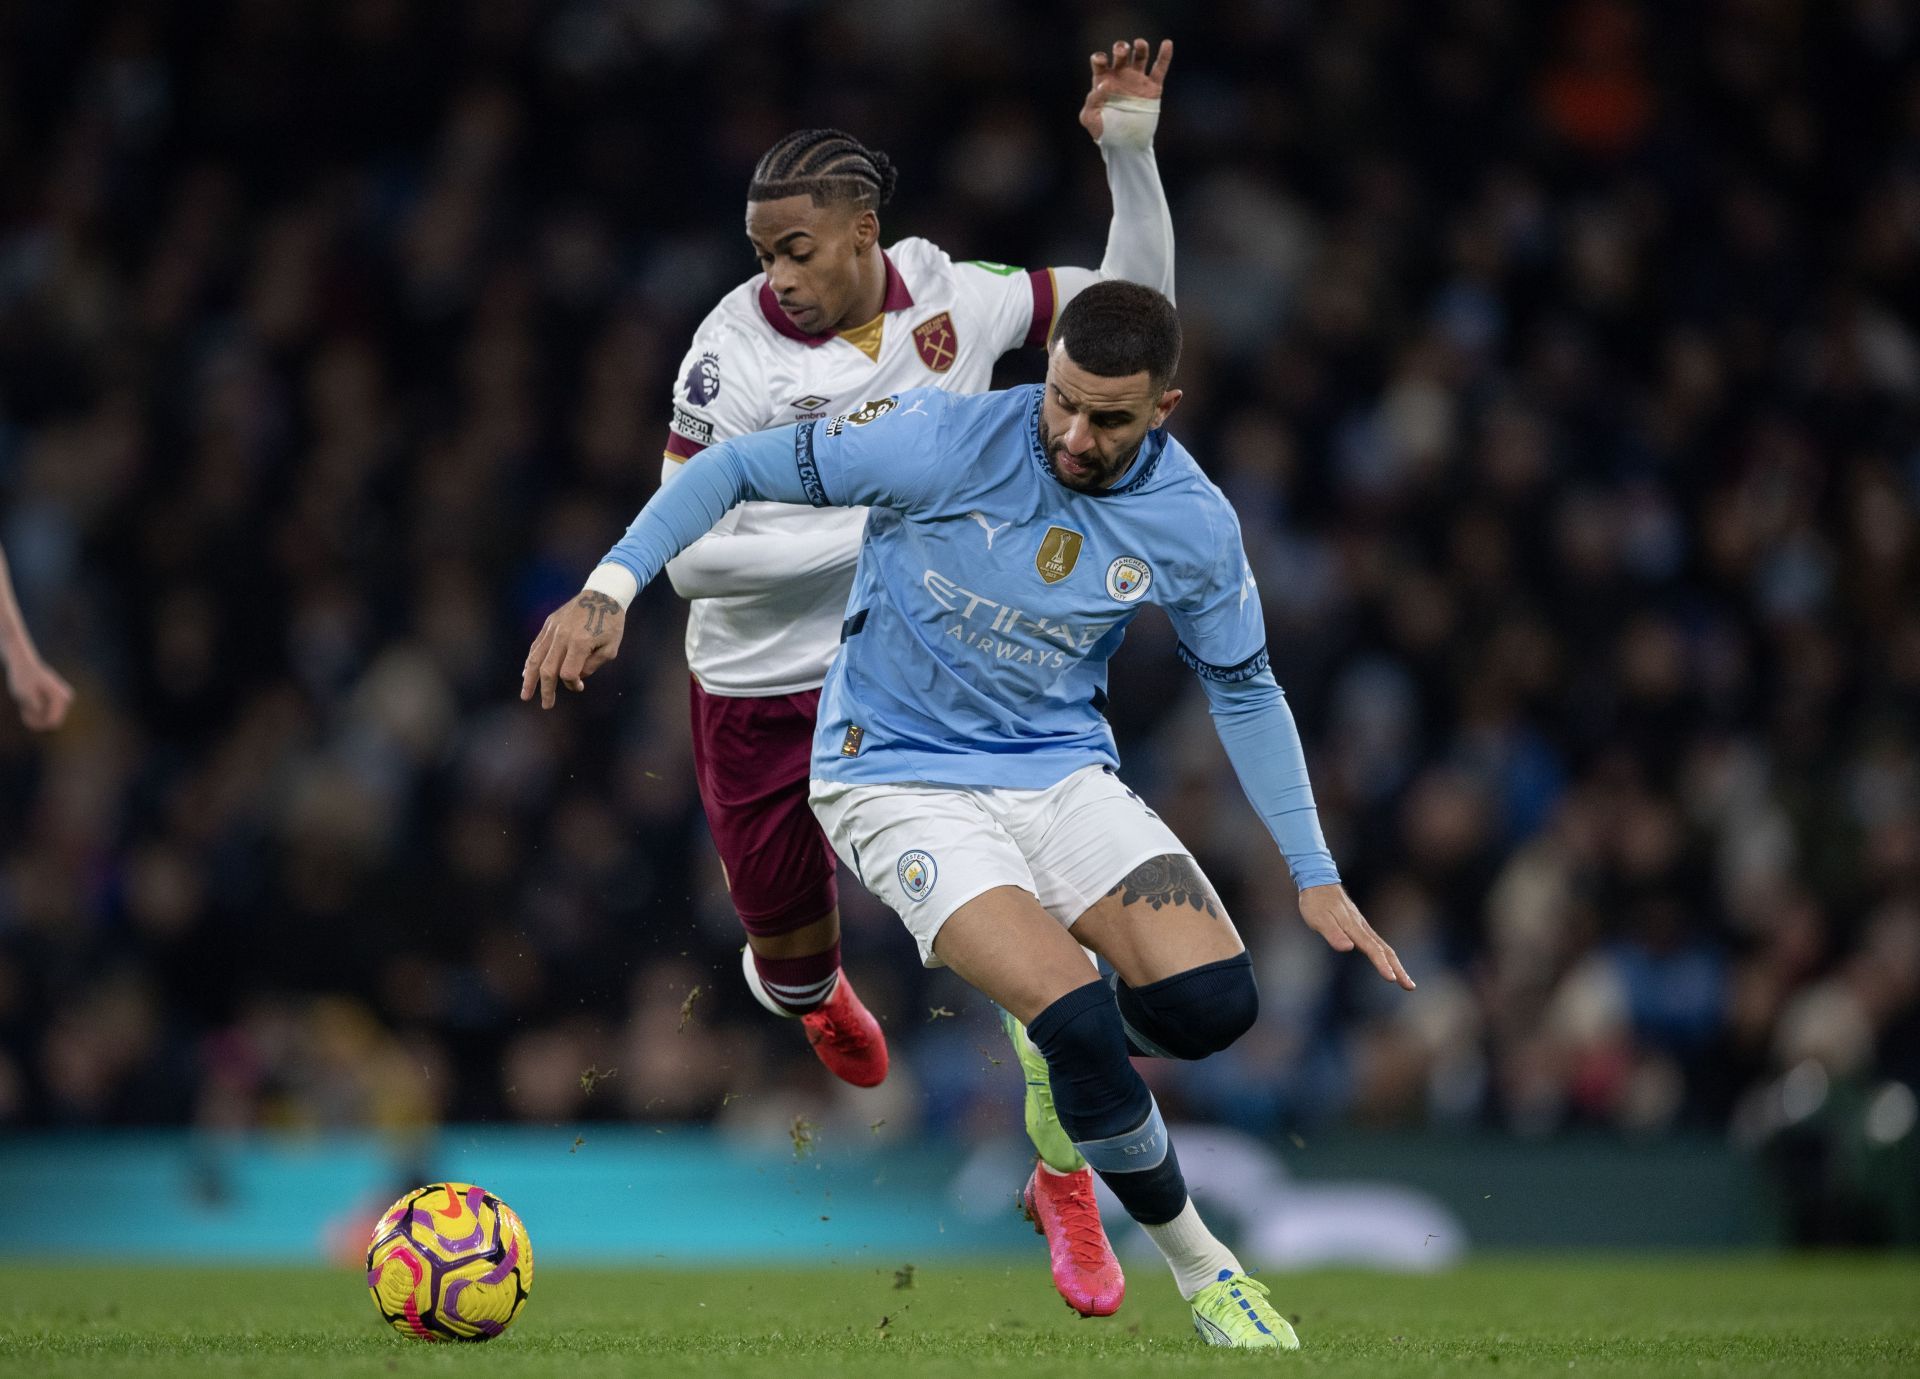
[[739, 564], [846, 462], [1263, 743], [747, 468], [721, 394], [1223, 640], [1140, 235]]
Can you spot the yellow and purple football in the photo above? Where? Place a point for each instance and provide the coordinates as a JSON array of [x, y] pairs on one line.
[[449, 1262]]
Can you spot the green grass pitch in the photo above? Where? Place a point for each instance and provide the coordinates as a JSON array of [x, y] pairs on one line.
[[1695, 1316]]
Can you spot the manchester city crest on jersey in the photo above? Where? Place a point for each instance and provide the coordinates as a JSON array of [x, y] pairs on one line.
[[917, 874], [1059, 552], [1128, 578], [703, 379], [937, 342]]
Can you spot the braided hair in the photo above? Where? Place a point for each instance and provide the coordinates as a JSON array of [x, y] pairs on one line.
[[826, 165]]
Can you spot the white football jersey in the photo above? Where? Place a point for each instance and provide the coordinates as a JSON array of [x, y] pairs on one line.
[[943, 325]]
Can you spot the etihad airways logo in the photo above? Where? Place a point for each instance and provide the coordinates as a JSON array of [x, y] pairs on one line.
[[986, 623]]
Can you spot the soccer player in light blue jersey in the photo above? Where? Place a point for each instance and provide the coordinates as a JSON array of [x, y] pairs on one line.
[[961, 764]]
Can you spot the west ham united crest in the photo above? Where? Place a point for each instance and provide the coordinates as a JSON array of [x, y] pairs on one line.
[[937, 342], [1059, 549]]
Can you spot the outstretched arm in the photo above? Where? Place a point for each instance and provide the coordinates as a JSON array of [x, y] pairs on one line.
[[1121, 112], [37, 689], [1263, 743], [1223, 640], [580, 637], [846, 462]]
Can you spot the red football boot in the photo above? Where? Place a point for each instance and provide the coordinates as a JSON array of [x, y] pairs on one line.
[[1062, 1208], [847, 1037]]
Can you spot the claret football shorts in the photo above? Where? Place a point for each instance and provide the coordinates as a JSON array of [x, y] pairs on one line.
[[750, 759], [928, 849]]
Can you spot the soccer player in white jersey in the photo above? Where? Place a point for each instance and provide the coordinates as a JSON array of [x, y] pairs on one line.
[[832, 321], [962, 764]]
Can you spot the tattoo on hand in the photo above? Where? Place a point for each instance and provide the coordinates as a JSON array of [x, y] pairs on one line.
[[1165, 881], [599, 608]]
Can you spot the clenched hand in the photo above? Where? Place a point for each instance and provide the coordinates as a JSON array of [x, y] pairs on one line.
[[37, 688]]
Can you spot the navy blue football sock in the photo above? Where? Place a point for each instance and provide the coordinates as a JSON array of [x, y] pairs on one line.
[[1104, 1106]]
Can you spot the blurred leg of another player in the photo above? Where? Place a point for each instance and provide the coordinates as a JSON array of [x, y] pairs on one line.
[[750, 757]]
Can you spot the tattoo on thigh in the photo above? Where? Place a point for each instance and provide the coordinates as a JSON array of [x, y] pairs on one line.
[[1168, 881]]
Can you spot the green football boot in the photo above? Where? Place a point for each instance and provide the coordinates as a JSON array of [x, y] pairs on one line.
[[1234, 1311], [1043, 1126]]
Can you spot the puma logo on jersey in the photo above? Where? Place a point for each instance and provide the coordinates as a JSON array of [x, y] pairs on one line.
[[1246, 585], [981, 518]]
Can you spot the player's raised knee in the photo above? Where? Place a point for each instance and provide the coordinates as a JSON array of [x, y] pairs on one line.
[[1193, 1013], [1230, 1007]]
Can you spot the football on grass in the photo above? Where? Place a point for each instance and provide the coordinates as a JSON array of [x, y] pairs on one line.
[[449, 1262]]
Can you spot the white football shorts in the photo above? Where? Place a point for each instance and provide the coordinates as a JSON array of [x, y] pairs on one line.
[[926, 850]]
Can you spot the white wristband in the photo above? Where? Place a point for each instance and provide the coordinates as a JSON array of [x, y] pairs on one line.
[[616, 582], [1128, 122]]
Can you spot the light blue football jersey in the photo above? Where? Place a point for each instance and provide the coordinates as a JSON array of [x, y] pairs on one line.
[[990, 597]]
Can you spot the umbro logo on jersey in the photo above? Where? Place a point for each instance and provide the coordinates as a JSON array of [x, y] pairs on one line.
[[810, 403], [937, 342], [1058, 553]]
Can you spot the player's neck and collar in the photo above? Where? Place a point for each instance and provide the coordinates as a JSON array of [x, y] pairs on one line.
[[1134, 478], [865, 337]]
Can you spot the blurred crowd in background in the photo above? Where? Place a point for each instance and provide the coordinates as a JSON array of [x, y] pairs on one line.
[[1562, 360]]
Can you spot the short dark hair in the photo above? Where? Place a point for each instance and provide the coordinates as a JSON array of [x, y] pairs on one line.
[[827, 165], [1117, 328]]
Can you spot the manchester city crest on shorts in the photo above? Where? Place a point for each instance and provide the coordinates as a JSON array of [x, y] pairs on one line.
[[917, 874], [1128, 578]]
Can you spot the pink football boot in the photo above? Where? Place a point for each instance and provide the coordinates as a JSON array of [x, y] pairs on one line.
[[1062, 1208]]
